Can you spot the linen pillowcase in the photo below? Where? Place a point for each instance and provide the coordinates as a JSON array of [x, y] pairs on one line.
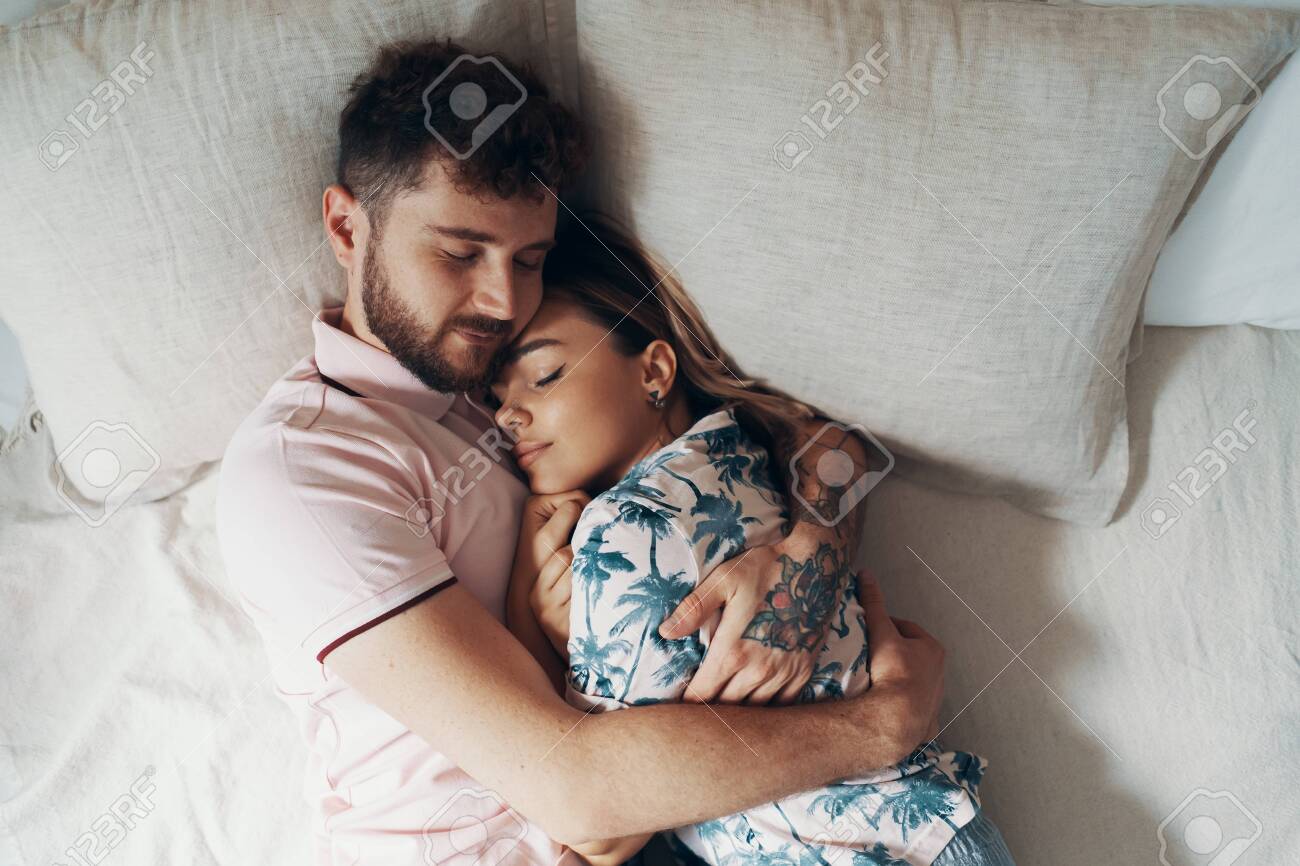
[[147, 237], [935, 219]]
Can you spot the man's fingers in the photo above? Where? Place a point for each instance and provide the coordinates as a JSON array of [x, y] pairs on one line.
[[790, 693], [712, 677], [739, 688], [767, 691], [723, 658], [706, 694], [879, 626], [910, 630], [691, 613]]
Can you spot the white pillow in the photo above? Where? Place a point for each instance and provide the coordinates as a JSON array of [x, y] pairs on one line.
[[133, 271], [1235, 257], [873, 268]]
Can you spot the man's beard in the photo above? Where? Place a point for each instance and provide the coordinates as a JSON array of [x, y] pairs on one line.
[[417, 348]]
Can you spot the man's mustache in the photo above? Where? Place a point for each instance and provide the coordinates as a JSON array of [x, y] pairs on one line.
[[482, 324]]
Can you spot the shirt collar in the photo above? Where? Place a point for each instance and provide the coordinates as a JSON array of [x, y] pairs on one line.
[[371, 371]]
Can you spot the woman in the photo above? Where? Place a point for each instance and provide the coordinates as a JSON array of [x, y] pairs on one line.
[[639, 436]]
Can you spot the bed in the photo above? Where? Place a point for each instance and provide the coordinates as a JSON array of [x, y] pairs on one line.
[[1156, 667], [1129, 682]]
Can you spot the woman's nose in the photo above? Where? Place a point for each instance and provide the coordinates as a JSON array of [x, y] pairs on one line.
[[511, 418]]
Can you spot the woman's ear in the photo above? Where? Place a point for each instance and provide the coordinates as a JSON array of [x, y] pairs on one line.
[[658, 368]]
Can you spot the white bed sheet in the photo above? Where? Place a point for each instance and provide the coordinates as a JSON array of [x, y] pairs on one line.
[[1166, 665]]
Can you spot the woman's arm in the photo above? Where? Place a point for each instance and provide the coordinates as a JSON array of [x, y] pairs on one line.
[[455, 676], [545, 528], [523, 624], [549, 600]]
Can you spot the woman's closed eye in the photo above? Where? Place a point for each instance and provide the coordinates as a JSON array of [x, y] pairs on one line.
[[494, 402], [549, 378]]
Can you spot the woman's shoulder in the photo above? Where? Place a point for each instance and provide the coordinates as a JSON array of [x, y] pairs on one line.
[[721, 451], [710, 488], [713, 458]]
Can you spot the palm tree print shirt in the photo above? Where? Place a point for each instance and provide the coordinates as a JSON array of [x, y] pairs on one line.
[[639, 548]]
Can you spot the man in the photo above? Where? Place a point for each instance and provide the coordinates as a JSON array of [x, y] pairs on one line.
[[368, 517]]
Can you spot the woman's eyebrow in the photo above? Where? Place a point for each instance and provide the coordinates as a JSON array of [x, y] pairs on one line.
[[514, 354]]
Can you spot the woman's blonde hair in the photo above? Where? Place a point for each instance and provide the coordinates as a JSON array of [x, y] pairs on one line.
[[601, 267]]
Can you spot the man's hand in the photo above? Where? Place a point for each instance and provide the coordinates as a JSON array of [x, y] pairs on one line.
[[777, 603], [906, 664], [550, 596]]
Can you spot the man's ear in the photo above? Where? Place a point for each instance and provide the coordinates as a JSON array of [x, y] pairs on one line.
[[346, 225], [659, 367]]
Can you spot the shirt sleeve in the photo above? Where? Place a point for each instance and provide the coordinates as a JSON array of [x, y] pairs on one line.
[[631, 567], [325, 534]]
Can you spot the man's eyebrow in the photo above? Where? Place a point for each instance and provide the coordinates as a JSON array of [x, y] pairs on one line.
[[522, 349], [465, 233]]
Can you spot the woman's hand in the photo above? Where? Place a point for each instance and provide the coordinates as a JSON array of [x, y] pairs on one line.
[[547, 525], [550, 596]]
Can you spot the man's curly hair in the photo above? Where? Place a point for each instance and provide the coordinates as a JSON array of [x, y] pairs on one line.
[[385, 146]]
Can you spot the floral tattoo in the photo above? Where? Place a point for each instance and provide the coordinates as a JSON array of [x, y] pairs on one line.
[[803, 601]]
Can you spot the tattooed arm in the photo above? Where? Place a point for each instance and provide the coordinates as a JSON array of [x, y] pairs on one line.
[[765, 644]]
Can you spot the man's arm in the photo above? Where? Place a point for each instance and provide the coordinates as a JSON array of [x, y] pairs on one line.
[[456, 677], [743, 663], [612, 852]]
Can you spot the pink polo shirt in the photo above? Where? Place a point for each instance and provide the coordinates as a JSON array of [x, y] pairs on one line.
[[351, 493]]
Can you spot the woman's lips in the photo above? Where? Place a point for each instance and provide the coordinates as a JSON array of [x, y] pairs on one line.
[[529, 453]]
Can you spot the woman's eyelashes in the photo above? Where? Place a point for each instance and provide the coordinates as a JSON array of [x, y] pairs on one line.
[[494, 402], [549, 378]]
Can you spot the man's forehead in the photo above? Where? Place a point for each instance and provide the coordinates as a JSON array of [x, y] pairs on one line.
[[446, 211]]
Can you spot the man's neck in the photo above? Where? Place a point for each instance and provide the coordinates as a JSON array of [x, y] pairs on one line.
[[353, 322]]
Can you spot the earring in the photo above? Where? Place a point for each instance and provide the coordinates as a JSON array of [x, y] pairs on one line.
[[656, 400]]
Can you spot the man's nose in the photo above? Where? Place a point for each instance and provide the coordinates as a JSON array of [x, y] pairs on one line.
[[494, 294]]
